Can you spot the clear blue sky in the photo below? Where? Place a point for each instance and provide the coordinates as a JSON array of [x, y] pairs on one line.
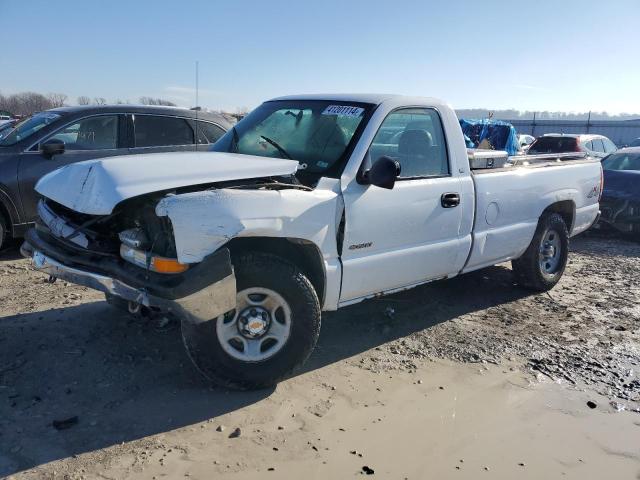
[[536, 55]]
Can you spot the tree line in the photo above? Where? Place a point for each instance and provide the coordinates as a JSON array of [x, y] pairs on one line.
[[27, 103], [511, 114]]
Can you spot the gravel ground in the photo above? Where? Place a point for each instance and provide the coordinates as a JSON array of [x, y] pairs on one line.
[[118, 384], [584, 332]]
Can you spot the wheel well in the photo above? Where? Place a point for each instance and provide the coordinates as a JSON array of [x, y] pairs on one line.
[[304, 254], [4, 213], [566, 209]]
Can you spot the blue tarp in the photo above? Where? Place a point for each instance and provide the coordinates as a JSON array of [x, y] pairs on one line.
[[499, 135]]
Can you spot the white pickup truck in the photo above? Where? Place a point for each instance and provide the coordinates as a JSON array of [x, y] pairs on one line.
[[310, 203]]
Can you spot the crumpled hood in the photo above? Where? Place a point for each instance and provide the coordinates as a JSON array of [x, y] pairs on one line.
[[623, 184], [95, 187]]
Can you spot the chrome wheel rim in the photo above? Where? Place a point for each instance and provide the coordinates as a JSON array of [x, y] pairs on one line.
[[550, 253], [259, 326]]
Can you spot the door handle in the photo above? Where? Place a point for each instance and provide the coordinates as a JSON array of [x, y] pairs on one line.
[[450, 200]]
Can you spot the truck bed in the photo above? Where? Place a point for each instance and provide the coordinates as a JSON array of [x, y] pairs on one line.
[[510, 200]]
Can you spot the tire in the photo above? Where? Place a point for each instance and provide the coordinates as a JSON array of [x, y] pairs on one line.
[[543, 263], [238, 350]]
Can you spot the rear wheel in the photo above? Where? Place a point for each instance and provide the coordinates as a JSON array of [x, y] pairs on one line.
[[272, 330], [543, 263]]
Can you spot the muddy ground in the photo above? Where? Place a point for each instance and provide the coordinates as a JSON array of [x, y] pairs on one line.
[[462, 378]]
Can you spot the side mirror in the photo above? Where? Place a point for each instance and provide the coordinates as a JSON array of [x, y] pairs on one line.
[[383, 173], [51, 147]]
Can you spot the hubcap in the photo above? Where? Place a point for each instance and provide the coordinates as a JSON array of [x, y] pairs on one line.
[[259, 326], [550, 253]]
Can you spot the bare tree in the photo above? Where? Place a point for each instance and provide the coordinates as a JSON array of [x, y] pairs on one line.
[[100, 100], [25, 103], [156, 101], [57, 99], [84, 100]]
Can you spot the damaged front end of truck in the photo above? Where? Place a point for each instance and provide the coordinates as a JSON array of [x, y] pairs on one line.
[[91, 233], [130, 256]]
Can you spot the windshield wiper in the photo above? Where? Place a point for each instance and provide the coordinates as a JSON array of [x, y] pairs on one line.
[[274, 144]]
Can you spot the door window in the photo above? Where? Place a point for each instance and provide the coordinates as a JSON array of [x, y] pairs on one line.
[[415, 138], [597, 145], [92, 133], [209, 132], [609, 146], [157, 131]]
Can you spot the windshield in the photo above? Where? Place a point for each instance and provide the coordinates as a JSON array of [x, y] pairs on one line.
[[315, 133], [29, 127], [5, 129], [622, 161]]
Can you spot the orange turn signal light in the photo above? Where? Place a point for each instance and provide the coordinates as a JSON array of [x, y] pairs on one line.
[[167, 265]]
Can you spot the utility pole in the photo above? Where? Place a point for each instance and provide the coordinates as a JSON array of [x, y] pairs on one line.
[[533, 125]]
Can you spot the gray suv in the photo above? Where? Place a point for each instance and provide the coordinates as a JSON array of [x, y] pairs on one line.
[[51, 139]]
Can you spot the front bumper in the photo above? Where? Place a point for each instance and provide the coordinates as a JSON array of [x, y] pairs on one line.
[[216, 296]]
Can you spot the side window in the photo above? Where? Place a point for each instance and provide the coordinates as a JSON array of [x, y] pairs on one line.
[[156, 131], [588, 145], [209, 132], [415, 138], [92, 133], [609, 146], [597, 145]]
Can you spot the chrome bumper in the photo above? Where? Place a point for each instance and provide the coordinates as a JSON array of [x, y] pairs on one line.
[[206, 304]]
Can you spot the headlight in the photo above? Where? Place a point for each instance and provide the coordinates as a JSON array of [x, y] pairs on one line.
[[134, 237], [148, 260]]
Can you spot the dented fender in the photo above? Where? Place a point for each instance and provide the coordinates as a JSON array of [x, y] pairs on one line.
[[204, 221]]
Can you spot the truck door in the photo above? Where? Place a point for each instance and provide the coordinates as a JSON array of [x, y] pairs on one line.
[[410, 234]]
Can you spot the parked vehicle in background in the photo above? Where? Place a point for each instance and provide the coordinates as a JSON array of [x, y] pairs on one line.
[[57, 137], [525, 141], [595, 145], [620, 204], [358, 196], [6, 126], [635, 143]]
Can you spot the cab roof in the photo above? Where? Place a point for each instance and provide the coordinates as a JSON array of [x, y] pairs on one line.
[[370, 98]]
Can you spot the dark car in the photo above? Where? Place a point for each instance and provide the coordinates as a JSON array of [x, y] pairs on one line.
[[595, 145], [620, 203], [51, 139]]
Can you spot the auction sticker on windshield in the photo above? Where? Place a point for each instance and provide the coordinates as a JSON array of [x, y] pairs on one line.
[[343, 111]]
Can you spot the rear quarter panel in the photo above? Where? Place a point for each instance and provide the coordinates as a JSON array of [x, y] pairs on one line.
[[510, 201]]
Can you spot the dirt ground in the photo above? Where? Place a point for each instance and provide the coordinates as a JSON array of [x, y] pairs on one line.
[[467, 378]]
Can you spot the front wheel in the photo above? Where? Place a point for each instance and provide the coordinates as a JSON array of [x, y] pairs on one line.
[[272, 330], [544, 261]]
